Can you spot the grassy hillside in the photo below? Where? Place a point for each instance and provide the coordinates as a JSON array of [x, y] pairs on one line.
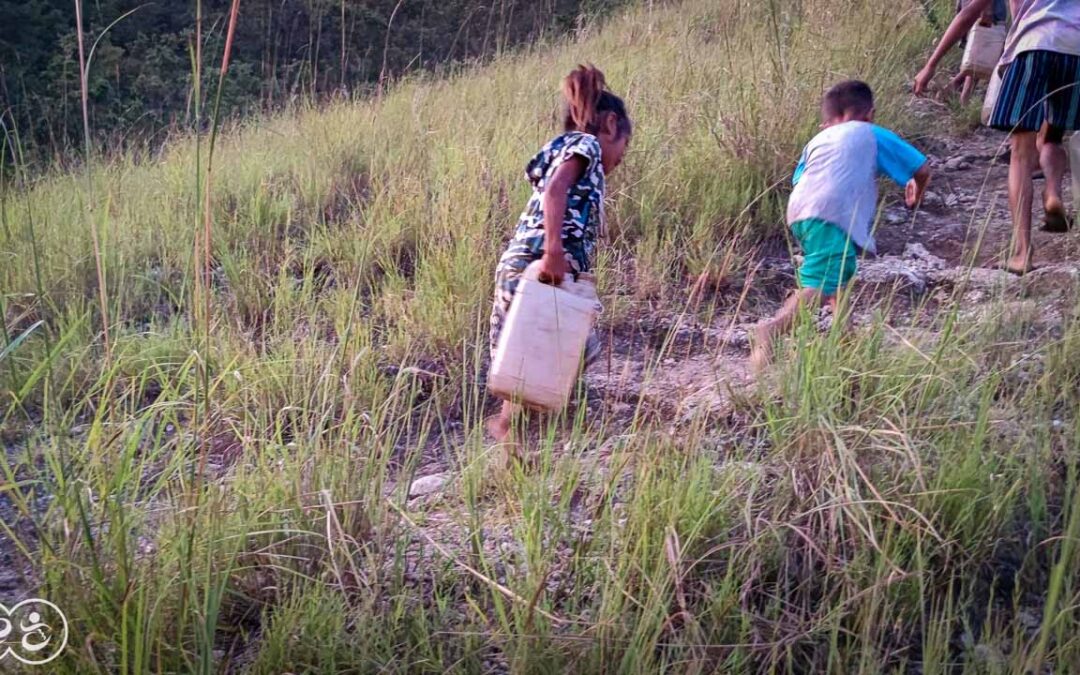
[[410, 198], [222, 482]]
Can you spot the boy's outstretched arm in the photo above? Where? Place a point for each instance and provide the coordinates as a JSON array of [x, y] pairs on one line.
[[959, 27], [916, 187]]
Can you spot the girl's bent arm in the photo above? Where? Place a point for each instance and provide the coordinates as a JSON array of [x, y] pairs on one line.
[[553, 264]]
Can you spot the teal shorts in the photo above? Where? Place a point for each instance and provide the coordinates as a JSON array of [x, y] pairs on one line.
[[830, 258]]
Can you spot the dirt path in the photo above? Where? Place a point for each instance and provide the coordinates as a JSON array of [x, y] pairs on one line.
[[967, 216]]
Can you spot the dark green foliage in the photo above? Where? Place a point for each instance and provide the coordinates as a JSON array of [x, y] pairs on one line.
[[140, 78]]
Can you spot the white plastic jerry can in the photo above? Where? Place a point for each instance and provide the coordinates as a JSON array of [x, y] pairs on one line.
[[985, 46], [538, 356]]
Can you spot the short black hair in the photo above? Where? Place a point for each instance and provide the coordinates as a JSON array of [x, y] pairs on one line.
[[853, 95]]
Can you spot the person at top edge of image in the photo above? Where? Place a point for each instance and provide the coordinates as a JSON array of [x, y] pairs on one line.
[[832, 206], [564, 218], [1040, 86]]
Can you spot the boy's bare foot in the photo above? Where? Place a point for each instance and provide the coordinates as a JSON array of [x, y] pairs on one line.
[[761, 347], [1057, 218]]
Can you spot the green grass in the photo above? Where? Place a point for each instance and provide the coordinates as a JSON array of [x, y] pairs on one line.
[[227, 490]]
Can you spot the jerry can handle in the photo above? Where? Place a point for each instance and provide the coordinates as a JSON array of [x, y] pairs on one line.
[[532, 273]]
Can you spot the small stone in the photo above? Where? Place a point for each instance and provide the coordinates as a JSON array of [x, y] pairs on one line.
[[738, 338], [932, 200], [741, 471], [428, 485], [917, 251], [1052, 280], [420, 373], [987, 655], [959, 163], [1028, 619], [896, 217], [146, 546]]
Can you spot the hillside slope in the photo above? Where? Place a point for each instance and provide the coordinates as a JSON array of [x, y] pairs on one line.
[[226, 478]]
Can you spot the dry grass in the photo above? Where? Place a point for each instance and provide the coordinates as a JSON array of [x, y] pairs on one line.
[[234, 498]]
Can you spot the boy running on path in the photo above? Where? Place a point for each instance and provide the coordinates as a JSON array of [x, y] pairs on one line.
[[832, 207]]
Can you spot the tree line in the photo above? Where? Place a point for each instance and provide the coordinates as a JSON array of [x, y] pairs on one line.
[[141, 76]]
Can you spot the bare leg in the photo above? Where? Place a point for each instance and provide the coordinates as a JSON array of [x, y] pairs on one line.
[[1054, 161], [1021, 194], [507, 452], [968, 88], [767, 331], [957, 83], [499, 425], [1040, 141]]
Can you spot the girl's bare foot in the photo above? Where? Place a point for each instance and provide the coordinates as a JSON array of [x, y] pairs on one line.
[[508, 443], [498, 427], [505, 457]]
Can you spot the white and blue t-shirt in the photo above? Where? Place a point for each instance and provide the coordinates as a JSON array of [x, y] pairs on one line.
[[836, 178]]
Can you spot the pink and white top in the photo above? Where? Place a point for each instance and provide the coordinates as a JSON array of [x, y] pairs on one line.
[[1050, 25]]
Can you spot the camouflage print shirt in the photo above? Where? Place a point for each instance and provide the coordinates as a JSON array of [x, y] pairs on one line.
[[583, 224], [584, 217]]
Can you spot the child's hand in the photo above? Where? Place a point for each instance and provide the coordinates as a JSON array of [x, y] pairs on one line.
[[912, 194], [916, 187], [923, 79], [553, 268]]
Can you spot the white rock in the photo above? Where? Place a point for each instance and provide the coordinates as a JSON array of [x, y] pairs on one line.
[[958, 164], [916, 251], [980, 278], [896, 217], [428, 485], [896, 270]]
